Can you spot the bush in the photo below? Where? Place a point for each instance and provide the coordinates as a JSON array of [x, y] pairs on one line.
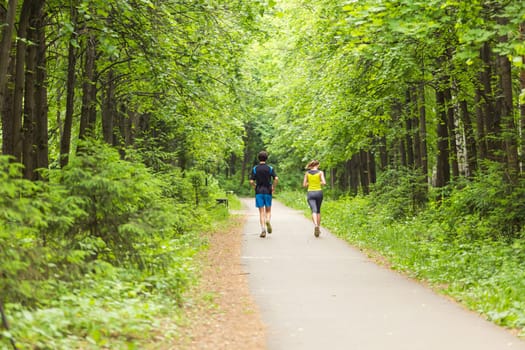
[[489, 206], [22, 216], [94, 255], [399, 193]]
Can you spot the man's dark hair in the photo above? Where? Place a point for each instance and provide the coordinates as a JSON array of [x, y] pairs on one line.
[[263, 156]]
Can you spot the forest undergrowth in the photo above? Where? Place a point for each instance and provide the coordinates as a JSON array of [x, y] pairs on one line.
[[102, 251]]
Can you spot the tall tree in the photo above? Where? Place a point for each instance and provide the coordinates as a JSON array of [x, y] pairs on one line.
[[8, 20], [65, 137], [34, 113], [41, 135]]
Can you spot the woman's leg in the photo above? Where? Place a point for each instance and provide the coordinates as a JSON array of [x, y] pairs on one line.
[[314, 200], [314, 219], [319, 202]]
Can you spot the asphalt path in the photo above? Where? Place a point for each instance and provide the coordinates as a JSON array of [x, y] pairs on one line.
[[323, 294]]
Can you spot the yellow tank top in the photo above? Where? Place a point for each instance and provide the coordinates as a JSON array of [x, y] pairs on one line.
[[314, 180]]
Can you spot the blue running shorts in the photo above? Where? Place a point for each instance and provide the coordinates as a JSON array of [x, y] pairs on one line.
[[263, 200]]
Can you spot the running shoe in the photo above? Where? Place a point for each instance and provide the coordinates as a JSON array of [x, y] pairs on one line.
[[268, 227], [317, 231], [263, 234]]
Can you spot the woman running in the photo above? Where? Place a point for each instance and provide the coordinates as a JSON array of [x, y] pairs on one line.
[[313, 180]]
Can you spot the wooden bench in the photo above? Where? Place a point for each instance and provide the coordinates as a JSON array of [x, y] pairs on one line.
[[223, 201]]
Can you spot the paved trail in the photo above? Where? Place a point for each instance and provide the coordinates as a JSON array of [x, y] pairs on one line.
[[322, 294]]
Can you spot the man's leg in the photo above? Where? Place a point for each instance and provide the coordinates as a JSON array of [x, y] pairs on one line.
[[259, 203], [268, 218], [262, 216], [268, 215]]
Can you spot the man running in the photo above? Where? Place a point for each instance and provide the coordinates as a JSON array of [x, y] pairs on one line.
[[264, 180]]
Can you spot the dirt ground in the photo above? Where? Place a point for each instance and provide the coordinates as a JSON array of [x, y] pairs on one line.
[[223, 314]]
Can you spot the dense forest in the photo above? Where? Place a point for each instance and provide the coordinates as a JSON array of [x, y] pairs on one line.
[[122, 121]]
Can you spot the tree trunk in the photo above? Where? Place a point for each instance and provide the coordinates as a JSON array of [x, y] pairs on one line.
[[510, 136], [88, 89], [333, 174], [409, 133], [410, 159], [490, 116], [372, 172], [7, 112], [5, 52], [245, 165], [32, 91], [92, 113], [443, 165], [231, 169], [126, 127], [509, 133], [418, 163], [108, 111], [364, 173], [41, 108], [20, 65], [521, 129], [353, 173], [383, 153], [423, 131], [452, 132], [402, 153], [469, 138], [29, 120], [397, 117], [65, 140], [481, 134]]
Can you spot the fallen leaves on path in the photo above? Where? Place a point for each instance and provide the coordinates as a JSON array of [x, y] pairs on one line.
[[224, 315]]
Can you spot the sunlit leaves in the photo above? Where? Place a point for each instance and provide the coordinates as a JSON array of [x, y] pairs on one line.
[[338, 67], [172, 60]]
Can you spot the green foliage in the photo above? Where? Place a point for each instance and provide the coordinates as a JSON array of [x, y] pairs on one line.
[[108, 307], [100, 251], [199, 184], [22, 256], [399, 193], [490, 206], [123, 210], [234, 202], [295, 199], [233, 184]]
